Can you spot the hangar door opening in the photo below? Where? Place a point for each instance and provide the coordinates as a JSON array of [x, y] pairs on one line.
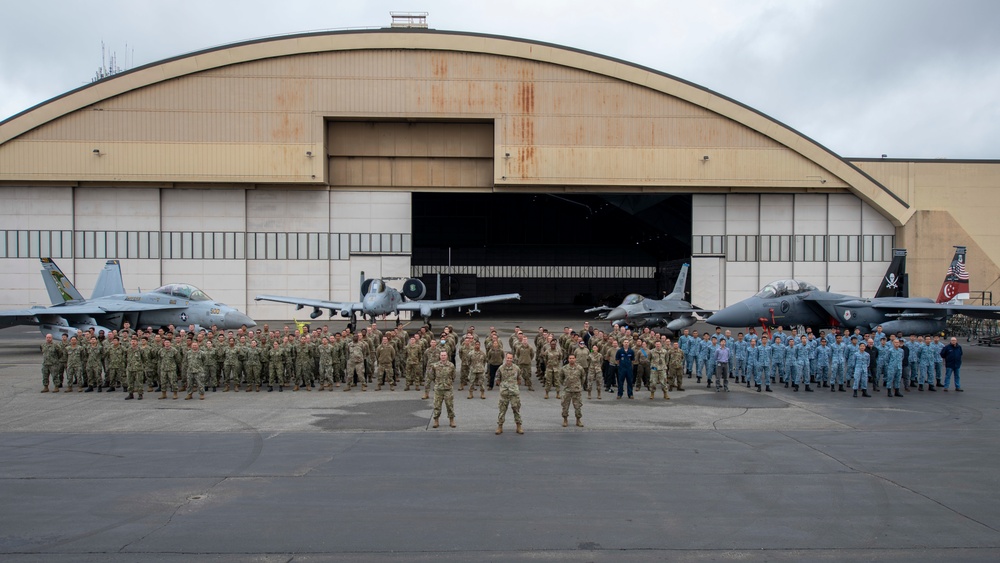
[[561, 252]]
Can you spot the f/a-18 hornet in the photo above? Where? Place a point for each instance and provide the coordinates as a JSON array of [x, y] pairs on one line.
[[795, 302], [379, 299], [109, 306], [672, 311]]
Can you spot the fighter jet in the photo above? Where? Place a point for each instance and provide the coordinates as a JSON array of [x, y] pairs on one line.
[[109, 306], [379, 299], [795, 302], [672, 311]]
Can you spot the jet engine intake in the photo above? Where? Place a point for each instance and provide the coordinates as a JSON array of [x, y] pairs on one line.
[[414, 289]]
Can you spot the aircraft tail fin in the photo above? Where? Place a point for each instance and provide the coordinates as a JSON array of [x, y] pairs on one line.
[[956, 281], [894, 281], [681, 284], [60, 289], [109, 282]]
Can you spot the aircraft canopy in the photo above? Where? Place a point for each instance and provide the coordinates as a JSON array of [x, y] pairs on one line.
[[781, 288], [184, 291], [632, 299]]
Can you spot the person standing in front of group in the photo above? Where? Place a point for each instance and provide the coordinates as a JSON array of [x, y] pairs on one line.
[[625, 357], [510, 394], [952, 354]]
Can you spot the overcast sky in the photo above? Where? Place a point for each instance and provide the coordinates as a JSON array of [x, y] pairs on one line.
[[906, 78]]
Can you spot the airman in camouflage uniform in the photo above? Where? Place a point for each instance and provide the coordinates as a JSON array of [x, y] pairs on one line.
[[523, 355], [572, 383], [443, 375], [135, 371], [252, 365], [414, 354], [114, 364], [553, 366], [595, 372], [385, 356], [196, 371], [476, 360], [356, 364], [658, 371], [325, 354], [675, 367], [51, 358], [170, 360], [510, 395], [76, 356], [276, 363]]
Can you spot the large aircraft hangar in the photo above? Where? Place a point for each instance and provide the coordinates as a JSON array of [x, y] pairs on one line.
[[290, 165]]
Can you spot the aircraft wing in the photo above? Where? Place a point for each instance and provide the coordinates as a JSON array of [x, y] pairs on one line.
[[430, 305], [106, 307], [940, 309], [315, 303], [18, 317]]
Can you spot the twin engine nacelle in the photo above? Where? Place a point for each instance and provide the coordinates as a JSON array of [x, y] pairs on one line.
[[414, 289]]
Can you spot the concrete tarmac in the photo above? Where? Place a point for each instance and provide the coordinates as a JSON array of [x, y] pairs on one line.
[[321, 476]]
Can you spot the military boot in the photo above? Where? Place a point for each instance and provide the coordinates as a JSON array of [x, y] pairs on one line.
[[175, 395], [897, 393], [482, 394], [163, 395], [931, 387], [189, 397], [864, 393], [808, 389], [520, 430], [833, 388], [652, 394], [45, 389], [470, 393], [435, 425], [768, 389], [424, 397], [841, 388], [888, 392], [130, 396], [546, 392], [226, 388], [140, 396], [499, 429], [295, 388], [855, 392], [565, 421], [451, 422], [579, 422]]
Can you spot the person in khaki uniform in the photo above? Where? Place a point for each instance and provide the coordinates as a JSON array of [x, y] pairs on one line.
[[443, 375], [658, 371], [572, 377], [510, 394], [169, 362], [476, 359]]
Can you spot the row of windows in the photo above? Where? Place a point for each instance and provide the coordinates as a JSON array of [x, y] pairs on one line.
[[612, 272], [199, 245], [795, 248]]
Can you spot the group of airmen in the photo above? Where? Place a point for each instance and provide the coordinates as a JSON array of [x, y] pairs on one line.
[[194, 360], [828, 360]]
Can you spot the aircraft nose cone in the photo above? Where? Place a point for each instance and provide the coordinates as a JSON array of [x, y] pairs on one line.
[[236, 319], [615, 314], [733, 316]]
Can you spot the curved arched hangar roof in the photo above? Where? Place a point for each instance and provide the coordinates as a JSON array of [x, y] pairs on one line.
[[258, 113]]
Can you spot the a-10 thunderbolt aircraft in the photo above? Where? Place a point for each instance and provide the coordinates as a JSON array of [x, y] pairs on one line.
[[379, 299], [109, 306], [672, 311], [795, 302]]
